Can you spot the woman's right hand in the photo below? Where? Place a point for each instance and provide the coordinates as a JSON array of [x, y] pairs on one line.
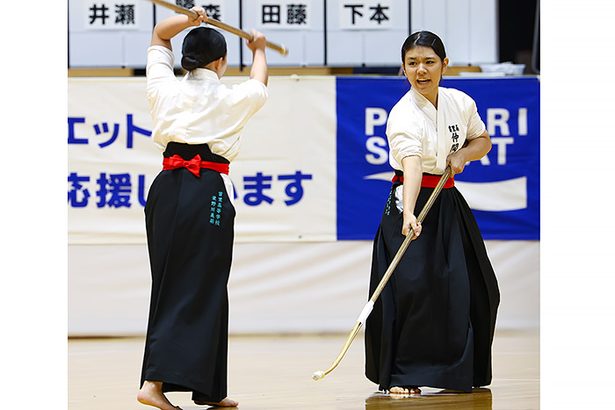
[[258, 41], [411, 222]]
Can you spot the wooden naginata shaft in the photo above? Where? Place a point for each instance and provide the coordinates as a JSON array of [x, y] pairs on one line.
[[367, 309], [217, 23]]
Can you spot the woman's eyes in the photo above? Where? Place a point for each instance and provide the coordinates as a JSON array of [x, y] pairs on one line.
[[414, 63]]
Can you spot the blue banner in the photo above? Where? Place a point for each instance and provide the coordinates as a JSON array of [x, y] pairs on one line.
[[503, 189]]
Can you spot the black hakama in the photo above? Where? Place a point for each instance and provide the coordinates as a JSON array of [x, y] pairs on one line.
[[189, 223], [434, 322]]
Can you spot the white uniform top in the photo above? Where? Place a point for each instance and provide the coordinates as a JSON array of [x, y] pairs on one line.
[[415, 127], [198, 109]]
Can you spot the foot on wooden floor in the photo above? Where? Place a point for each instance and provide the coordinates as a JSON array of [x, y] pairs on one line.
[[224, 403], [410, 390], [151, 395]]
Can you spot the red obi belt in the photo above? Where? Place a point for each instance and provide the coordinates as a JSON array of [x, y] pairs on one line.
[[193, 165], [428, 181]]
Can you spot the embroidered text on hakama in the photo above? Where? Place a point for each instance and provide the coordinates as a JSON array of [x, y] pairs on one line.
[[215, 211]]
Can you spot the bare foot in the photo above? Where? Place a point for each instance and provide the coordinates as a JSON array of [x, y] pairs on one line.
[[399, 390], [224, 403], [411, 390], [151, 395]]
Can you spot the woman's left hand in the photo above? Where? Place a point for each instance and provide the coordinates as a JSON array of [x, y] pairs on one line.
[[201, 16], [457, 162]]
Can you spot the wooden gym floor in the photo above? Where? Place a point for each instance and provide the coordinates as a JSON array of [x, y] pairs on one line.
[[274, 372]]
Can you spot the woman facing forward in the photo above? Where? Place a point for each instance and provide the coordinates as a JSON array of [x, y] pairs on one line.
[[434, 322], [189, 213]]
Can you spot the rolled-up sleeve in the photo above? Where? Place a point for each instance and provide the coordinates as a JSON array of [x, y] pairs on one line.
[[160, 78], [403, 134], [159, 69], [476, 126]]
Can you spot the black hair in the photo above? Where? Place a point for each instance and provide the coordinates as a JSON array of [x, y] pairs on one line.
[[201, 46], [424, 39]]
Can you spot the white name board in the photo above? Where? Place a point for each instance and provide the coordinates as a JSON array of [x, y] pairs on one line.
[[113, 15], [367, 15]]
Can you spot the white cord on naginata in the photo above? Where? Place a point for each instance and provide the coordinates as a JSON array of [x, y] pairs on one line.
[[369, 306]]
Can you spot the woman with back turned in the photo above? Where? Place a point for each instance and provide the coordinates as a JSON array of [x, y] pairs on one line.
[[189, 213], [434, 322]]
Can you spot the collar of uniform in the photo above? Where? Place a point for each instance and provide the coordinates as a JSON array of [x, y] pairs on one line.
[[418, 98], [424, 105], [204, 74]]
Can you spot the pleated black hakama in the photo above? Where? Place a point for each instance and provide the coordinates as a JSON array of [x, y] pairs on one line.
[[434, 322], [189, 223]]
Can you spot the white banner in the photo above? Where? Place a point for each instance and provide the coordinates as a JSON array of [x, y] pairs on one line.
[[284, 176], [275, 287]]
